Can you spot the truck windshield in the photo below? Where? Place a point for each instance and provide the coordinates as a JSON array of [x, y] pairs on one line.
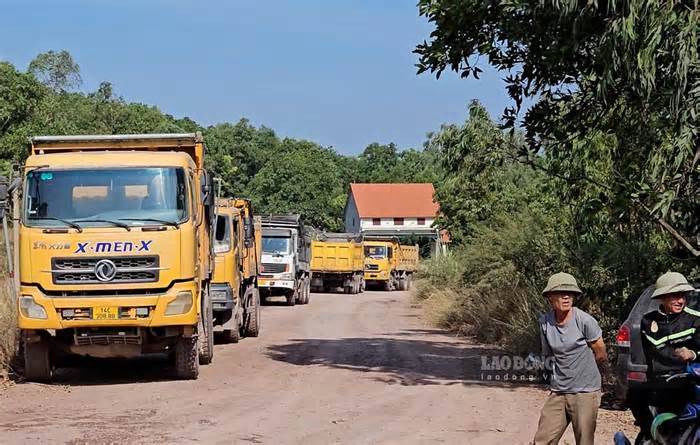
[[101, 197], [376, 252], [275, 244]]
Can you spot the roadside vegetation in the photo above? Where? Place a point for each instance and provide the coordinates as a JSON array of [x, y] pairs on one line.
[[594, 168], [8, 330]]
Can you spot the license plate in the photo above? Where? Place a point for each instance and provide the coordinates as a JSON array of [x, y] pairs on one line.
[[262, 282], [105, 313]]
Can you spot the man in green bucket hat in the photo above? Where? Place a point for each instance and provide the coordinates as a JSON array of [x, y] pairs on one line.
[[671, 340], [574, 340]]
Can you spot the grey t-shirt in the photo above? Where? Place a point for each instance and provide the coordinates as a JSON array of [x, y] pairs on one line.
[[575, 369]]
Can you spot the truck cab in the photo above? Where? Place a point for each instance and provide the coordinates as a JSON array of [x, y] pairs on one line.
[[112, 250], [285, 259], [380, 263]]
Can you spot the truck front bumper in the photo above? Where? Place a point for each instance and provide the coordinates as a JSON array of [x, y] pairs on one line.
[[222, 297], [272, 283], [109, 311], [376, 275]]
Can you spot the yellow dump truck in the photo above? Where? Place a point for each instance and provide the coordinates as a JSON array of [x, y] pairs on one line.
[[337, 260], [234, 292], [389, 264], [408, 265], [114, 252]]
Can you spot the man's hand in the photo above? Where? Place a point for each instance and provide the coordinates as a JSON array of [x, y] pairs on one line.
[[601, 356], [684, 354]]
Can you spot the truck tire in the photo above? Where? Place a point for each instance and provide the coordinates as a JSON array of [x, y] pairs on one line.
[[252, 325], [232, 328], [186, 358], [205, 330], [402, 283], [292, 298], [307, 291], [387, 285], [37, 361]]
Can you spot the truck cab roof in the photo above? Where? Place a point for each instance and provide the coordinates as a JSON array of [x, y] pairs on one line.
[[107, 159]]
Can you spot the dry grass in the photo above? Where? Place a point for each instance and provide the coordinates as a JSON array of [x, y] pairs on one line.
[[8, 329]]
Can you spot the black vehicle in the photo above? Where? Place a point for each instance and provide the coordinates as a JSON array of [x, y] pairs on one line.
[[631, 366]]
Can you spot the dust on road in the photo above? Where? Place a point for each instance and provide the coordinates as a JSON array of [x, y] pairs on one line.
[[344, 369]]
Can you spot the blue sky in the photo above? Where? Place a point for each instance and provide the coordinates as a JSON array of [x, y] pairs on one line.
[[337, 72]]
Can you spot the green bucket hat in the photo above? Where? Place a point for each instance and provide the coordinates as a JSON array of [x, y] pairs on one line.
[[561, 282], [671, 283]]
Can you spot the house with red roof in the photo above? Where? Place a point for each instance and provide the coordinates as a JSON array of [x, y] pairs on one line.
[[391, 209]]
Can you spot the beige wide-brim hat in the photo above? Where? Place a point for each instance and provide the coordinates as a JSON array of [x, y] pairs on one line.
[[671, 283], [561, 282]]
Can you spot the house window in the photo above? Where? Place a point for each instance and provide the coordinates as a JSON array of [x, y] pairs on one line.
[[376, 221], [353, 222], [421, 221], [398, 221]]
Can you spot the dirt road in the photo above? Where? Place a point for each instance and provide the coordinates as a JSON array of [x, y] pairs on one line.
[[344, 369]]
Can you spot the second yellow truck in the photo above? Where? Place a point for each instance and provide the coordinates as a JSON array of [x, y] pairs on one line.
[[234, 291]]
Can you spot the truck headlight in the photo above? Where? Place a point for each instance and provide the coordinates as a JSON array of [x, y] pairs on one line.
[[180, 305], [286, 276], [30, 308]]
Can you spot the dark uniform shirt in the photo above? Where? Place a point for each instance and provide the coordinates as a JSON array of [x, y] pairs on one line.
[[663, 333]]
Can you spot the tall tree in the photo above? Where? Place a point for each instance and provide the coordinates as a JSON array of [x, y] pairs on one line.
[[57, 70], [625, 71]]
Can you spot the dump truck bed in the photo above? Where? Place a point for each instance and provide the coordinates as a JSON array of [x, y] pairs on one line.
[[337, 256], [408, 258]]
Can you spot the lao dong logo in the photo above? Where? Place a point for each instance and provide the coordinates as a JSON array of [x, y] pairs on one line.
[[113, 247], [533, 368]]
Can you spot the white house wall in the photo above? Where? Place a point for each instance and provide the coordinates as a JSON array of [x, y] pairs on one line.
[[388, 223]]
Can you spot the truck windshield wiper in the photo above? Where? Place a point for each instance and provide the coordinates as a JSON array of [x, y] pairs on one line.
[[70, 224], [108, 221], [159, 221]]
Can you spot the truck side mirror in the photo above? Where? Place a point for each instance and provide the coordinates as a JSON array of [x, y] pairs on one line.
[[208, 190], [248, 233]]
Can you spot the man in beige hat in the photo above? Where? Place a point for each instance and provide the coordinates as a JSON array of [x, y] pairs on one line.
[[671, 339], [575, 341]]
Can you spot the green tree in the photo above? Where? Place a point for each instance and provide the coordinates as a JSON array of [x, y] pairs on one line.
[[57, 70], [625, 71], [303, 180]]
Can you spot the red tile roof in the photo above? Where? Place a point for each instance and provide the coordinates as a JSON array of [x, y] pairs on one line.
[[394, 200]]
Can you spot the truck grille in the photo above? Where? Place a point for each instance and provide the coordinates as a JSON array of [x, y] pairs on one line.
[[107, 337], [372, 267], [138, 269], [270, 268]]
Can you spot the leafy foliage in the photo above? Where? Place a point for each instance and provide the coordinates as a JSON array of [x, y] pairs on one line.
[[57, 70], [280, 175], [613, 83]]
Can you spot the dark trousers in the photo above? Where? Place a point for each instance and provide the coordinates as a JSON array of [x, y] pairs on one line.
[[661, 395]]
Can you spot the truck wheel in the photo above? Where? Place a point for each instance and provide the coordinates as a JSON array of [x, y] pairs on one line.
[[205, 331], [232, 331], [186, 362], [252, 319], [37, 361], [387, 285], [292, 298]]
